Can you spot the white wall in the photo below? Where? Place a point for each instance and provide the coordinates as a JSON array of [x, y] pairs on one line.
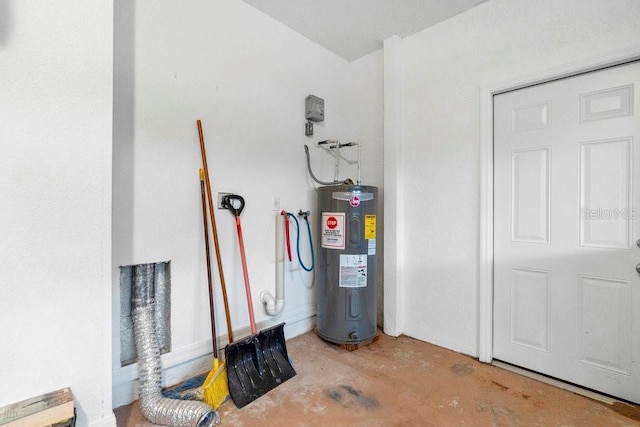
[[55, 187], [245, 76], [365, 124], [444, 69]]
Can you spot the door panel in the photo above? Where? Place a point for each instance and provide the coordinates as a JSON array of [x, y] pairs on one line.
[[530, 195], [529, 308], [566, 183], [606, 180], [605, 323]]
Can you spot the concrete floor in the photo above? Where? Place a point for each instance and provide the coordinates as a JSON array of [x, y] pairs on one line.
[[405, 382]]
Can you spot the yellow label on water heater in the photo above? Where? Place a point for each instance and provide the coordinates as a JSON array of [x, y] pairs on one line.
[[369, 226]]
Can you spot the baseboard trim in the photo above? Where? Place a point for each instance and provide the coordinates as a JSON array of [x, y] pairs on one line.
[[107, 421], [188, 361]]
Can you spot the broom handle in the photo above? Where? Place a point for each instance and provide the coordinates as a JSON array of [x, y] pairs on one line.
[[214, 229], [245, 272], [209, 279]]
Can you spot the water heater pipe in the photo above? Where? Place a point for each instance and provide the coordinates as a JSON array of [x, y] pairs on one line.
[[275, 305], [358, 178], [336, 177], [354, 144]]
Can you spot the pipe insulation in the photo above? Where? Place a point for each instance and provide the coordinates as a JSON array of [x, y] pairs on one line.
[[155, 407], [275, 305]]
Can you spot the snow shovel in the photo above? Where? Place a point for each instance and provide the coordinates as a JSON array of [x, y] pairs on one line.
[[260, 362]]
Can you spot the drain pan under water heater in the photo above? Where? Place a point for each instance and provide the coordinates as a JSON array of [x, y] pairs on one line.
[[346, 263]]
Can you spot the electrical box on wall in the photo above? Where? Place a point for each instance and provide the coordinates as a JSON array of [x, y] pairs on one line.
[[314, 108]]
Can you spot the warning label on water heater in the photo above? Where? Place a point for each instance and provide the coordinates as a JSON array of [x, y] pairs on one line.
[[353, 271], [333, 230], [369, 226]]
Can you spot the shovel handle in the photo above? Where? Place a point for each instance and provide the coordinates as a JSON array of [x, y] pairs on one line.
[[214, 230], [245, 273], [227, 203]]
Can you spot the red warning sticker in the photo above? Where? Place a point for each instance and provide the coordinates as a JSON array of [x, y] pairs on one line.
[[333, 230]]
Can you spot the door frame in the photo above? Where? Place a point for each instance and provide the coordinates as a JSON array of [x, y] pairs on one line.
[[487, 92]]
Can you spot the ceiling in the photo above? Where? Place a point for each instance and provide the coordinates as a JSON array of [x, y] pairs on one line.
[[355, 28]]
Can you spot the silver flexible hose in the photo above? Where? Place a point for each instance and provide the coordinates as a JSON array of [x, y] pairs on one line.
[[306, 150], [155, 407]]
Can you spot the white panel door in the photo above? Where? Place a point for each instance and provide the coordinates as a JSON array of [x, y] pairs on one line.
[[567, 230]]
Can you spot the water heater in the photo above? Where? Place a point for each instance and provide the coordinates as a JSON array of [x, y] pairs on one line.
[[346, 263]]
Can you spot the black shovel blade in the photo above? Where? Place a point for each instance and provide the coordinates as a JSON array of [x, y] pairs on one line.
[[257, 364], [245, 371], [273, 346]]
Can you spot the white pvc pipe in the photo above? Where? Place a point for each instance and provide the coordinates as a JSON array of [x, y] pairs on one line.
[[337, 171], [275, 305], [358, 179]]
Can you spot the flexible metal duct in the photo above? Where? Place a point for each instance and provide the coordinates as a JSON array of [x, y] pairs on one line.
[[160, 293], [155, 407]]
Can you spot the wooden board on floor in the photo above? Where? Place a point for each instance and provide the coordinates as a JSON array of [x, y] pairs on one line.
[[354, 347]]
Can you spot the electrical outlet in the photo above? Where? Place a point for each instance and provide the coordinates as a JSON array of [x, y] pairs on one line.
[[275, 203], [220, 197]]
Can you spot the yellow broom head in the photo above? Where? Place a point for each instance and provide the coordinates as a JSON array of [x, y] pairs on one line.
[[216, 386]]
